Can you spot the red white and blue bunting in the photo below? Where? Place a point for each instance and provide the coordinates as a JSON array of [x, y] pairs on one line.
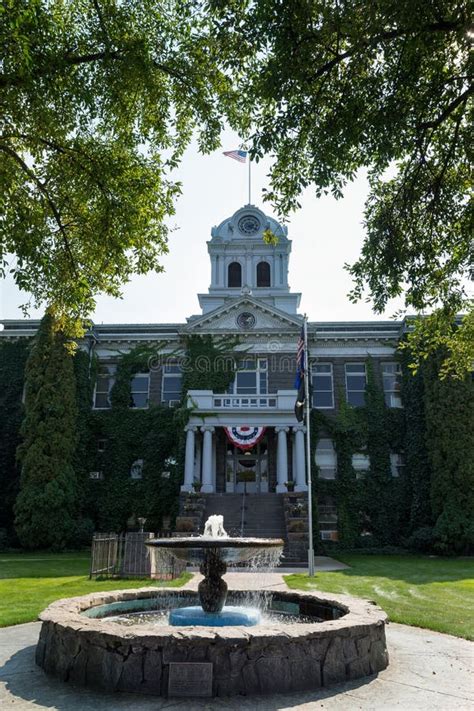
[[244, 437]]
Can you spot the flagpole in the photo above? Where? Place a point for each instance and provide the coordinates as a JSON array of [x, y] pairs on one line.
[[250, 181], [308, 450]]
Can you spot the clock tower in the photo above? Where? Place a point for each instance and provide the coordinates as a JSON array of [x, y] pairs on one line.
[[242, 263]]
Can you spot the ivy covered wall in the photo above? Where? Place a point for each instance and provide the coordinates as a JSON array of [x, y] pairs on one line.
[[429, 506], [13, 356]]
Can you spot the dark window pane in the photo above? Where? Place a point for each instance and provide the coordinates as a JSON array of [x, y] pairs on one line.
[[263, 383], [172, 368], [140, 383], [322, 399], [140, 399], [263, 274], [322, 368], [356, 382], [355, 368], [323, 382], [101, 400], [246, 382], [356, 398], [234, 274], [172, 383], [102, 385]]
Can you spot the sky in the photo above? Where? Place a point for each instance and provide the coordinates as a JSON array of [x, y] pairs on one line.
[[325, 234]]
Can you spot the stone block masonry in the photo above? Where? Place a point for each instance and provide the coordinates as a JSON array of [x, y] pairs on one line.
[[270, 658]]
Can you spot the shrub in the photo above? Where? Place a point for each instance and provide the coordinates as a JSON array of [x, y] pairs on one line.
[[422, 540]]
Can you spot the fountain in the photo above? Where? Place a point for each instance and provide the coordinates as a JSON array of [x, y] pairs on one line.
[[160, 641], [213, 551]]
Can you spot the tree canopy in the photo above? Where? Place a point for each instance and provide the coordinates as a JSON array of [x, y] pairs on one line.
[[100, 99], [384, 85]]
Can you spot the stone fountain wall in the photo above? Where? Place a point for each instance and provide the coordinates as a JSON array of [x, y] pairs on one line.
[[264, 659]]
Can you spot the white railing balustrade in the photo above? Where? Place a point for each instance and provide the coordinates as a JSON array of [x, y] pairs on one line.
[[244, 401], [207, 401]]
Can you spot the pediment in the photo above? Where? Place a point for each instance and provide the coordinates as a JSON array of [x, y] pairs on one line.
[[232, 317]]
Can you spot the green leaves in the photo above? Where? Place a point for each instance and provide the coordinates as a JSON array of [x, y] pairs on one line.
[[385, 86], [46, 506], [99, 101]]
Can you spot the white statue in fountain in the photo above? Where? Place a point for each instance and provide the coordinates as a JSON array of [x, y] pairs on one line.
[[214, 527]]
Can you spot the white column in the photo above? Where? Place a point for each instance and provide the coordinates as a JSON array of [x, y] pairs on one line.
[[197, 459], [300, 478], [282, 459], [214, 462], [249, 280], [213, 272], [207, 487], [189, 459]]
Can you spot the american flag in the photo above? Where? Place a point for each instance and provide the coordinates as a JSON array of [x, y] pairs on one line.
[[241, 156], [299, 380]]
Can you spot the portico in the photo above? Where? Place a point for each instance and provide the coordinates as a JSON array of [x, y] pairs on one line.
[[219, 466]]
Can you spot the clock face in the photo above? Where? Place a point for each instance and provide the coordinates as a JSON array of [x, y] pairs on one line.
[[249, 225], [245, 320]]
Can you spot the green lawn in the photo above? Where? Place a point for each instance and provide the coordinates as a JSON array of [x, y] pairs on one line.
[[30, 581], [436, 593]]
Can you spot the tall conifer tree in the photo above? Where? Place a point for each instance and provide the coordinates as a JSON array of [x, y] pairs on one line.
[[449, 407], [45, 507]]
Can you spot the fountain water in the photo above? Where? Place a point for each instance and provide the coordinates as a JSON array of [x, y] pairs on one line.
[[213, 551]]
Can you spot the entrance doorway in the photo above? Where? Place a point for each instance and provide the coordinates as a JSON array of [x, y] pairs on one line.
[[247, 471]]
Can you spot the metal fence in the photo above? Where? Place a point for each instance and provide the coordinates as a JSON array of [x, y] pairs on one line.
[[125, 555]]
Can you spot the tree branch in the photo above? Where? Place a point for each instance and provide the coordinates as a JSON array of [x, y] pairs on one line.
[[389, 35], [461, 99]]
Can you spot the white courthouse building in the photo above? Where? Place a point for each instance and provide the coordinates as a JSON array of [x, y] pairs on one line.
[[249, 297]]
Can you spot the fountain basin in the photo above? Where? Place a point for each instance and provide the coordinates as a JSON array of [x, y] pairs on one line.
[[78, 645], [194, 549]]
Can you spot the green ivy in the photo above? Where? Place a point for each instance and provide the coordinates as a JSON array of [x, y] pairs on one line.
[[13, 355], [449, 410], [209, 363]]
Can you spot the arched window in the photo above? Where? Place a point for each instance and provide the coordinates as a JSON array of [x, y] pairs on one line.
[[234, 274], [263, 274]]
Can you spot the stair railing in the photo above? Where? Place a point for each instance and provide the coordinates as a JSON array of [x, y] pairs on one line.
[[242, 515]]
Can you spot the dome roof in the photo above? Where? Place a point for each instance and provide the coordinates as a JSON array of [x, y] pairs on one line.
[[249, 222]]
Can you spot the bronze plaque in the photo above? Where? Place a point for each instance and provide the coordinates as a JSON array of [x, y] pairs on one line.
[[190, 679]]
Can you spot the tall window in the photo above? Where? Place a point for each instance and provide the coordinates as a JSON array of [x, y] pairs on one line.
[[326, 459], [392, 384], [327, 515], [356, 381], [263, 274], [397, 462], [139, 387], [136, 470], [171, 384], [323, 390], [234, 274], [251, 377], [361, 463], [103, 386]]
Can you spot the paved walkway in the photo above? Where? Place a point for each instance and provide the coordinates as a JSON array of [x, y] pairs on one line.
[[428, 671]]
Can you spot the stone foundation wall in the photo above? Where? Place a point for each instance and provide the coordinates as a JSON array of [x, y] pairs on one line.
[[264, 659]]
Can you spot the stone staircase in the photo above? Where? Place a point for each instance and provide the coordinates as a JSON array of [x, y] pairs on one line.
[[262, 516]]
